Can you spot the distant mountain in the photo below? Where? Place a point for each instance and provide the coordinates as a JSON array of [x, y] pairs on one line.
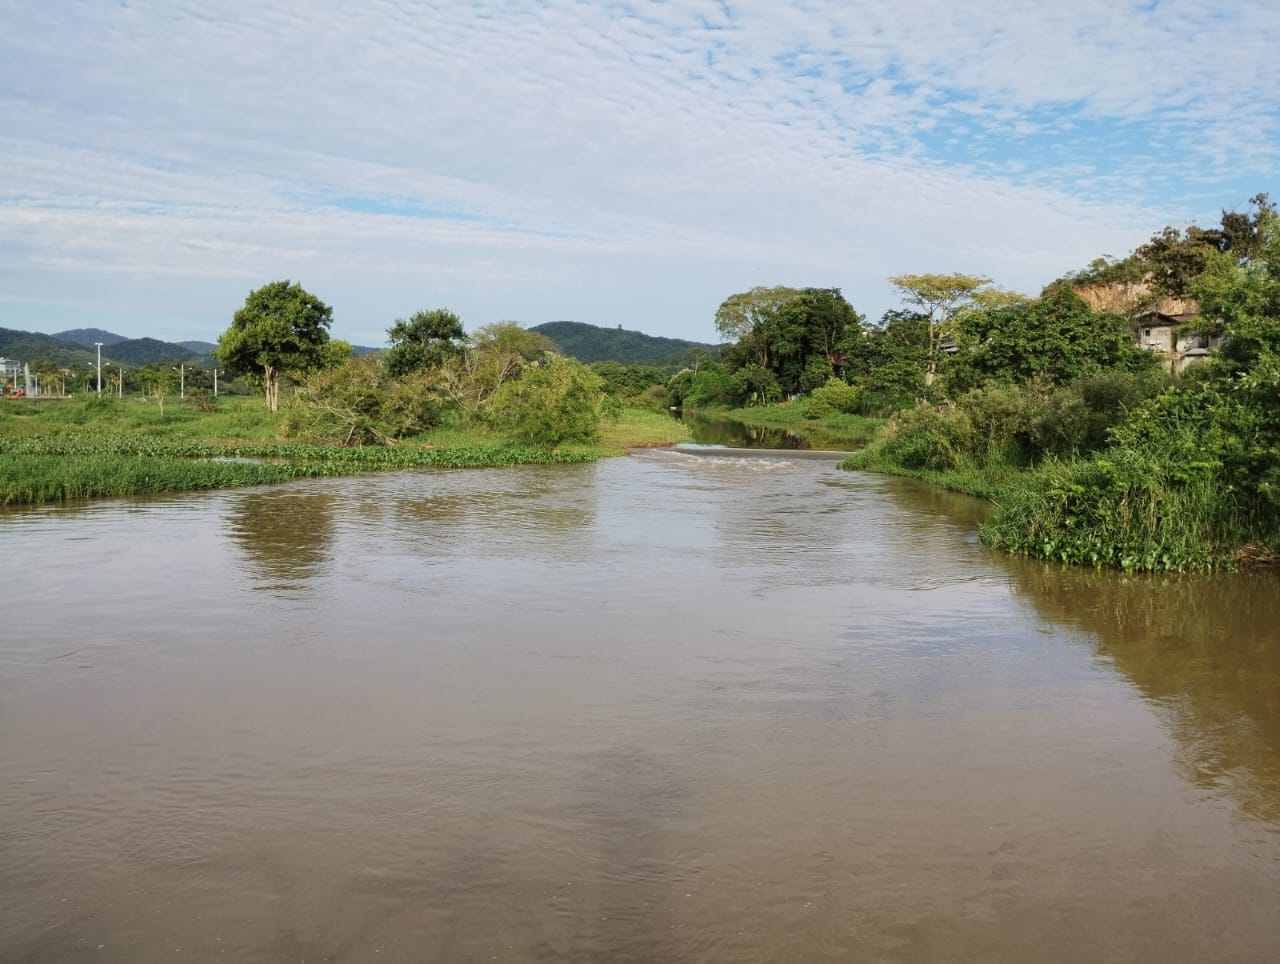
[[78, 347], [70, 348], [88, 337], [591, 343], [27, 346], [136, 352]]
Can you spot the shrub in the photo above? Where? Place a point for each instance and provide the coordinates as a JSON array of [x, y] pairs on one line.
[[558, 400], [835, 397], [931, 438], [360, 403]]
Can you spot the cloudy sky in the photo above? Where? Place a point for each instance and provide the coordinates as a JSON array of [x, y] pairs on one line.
[[617, 163]]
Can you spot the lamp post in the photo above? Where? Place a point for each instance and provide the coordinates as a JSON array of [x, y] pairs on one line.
[[182, 380], [215, 383], [98, 345]]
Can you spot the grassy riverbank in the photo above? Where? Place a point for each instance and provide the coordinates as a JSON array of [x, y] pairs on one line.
[[829, 432], [1172, 478], [985, 481], [54, 451]]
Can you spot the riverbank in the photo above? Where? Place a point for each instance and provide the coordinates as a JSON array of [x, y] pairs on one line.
[[1149, 495], [846, 432], [97, 448]]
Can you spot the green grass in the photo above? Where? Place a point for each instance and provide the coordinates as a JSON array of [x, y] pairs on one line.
[[831, 432], [984, 481], [644, 429], [88, 448], [1128, 511]]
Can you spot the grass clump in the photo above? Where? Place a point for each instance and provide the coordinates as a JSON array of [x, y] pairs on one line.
[[828, 430]]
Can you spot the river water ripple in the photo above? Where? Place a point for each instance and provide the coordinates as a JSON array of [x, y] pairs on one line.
[[662, 708]]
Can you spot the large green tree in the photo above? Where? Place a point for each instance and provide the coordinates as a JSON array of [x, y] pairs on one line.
[[1057, 338], [281, 330], [788, 339], [887, 363], [424, 340], [938, 297], [494, 355]]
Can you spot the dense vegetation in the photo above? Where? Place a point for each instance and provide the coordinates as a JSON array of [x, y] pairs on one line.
[[1093, 449], [590, 343], [438, 398], [1092, 452]]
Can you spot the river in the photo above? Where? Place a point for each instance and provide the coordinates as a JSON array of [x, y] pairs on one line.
[[661, 708]]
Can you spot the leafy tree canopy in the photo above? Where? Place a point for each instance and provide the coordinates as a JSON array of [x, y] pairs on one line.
[[281, 330], [788, 339], [557, 400], [1174, 258], [1057, 338], [424, 341]]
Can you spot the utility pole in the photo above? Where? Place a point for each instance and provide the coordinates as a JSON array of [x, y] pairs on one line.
[[98, 345]]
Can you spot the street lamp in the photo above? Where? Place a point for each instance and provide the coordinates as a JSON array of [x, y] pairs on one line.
[[215, 383], [98, 345], [182, 380]]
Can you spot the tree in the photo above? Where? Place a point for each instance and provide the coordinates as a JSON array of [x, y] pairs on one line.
[[557, 400], [494, 355], [888, 362], [788, 339], [358, 402], [747, 318], [1057, 338], [425, 340], [938, 297], [281, 330], [158, 381]]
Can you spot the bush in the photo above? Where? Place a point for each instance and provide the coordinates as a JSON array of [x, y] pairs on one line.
[[558, 400], [999, 415], [709, 387], [924, 437], [1188, 480], [890, 387], [1078, 419], [360, 403], [835, 397]]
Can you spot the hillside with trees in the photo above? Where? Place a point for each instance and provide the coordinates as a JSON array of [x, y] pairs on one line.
[[32, 346], [89, 337], [591, 343]]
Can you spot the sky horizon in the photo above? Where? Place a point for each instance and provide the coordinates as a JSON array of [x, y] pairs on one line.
[[613, 163]]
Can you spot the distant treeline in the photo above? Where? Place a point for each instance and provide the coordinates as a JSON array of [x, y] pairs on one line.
[[590, 343]]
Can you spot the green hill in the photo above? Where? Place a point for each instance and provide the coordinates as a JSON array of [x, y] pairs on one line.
[[88, 337], [591, 343], [29, 346], [137, 352]]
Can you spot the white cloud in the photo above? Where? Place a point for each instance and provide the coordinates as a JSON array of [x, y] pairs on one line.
[[626, 163]]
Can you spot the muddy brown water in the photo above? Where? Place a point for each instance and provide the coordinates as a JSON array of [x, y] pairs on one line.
[[662, 708]]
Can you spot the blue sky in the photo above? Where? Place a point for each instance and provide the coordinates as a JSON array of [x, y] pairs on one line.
[[627, 163]]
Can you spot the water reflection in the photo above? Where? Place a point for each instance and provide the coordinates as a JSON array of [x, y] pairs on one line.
[[285, 534], [441, 512], [1205, 651], [721, 431]]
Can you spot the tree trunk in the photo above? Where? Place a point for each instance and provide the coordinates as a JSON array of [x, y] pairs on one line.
[[271, 384]]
